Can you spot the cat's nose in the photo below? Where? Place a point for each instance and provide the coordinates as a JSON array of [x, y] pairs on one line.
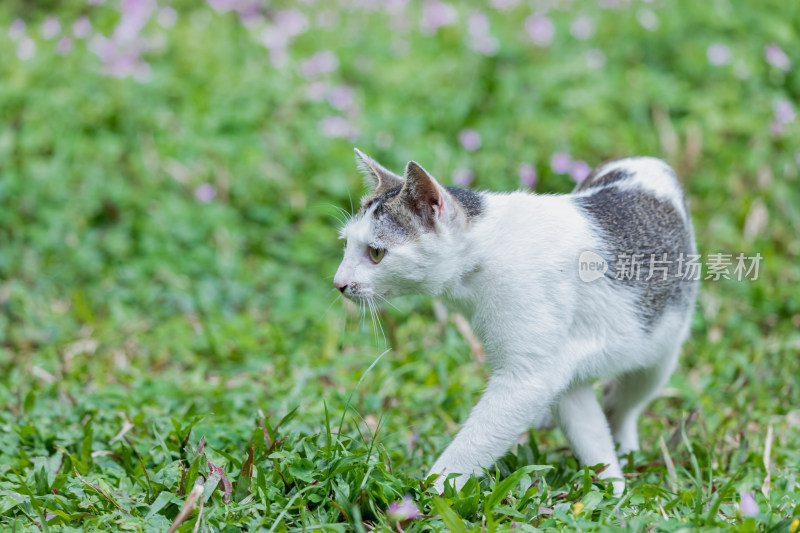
[[341, 286]]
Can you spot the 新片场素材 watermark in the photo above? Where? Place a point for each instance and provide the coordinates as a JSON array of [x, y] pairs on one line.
[[658, 266]]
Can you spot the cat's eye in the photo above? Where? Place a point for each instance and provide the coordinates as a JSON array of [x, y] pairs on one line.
[[376, 254]]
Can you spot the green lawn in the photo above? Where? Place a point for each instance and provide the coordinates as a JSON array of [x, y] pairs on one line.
[[170, 182]]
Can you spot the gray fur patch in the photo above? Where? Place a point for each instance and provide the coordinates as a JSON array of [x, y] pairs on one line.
[[395, 223], [379, 199], [471, 201], [598, 178], [634, 223]]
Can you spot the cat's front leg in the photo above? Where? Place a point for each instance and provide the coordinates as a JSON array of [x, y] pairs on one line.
[[507, 409]]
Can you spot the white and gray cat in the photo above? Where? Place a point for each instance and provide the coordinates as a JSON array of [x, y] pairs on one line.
[[510, 263]]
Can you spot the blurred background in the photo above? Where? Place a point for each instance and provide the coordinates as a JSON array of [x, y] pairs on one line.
[[170, 179]]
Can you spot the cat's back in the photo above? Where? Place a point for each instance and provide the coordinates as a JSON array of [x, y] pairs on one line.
[[645, 175], [637, 209], [638, 201]]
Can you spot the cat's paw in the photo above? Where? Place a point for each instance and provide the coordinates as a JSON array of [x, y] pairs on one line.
[[619, 487], [613, 475]]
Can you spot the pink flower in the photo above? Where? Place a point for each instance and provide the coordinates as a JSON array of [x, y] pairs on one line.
[[582, 28], [26, 49], [487, 45], [275, 37], [784, 111], [436, 14], [527, 175], [135, 14], [469, 139], [540, 29], [16, 30], [560, 162], [317, 90], [205, 193], [776, 57], [341, 97], [748, 505], [480, 39], [579, 170], [463, 177], [320, 63], [64, 46], [403, 510], [718, 54], [249, 12], [336, 127], [51, 27], [82, 28], [291, 22], [478, 24]]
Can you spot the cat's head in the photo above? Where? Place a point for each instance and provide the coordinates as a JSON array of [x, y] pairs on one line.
[[405, 239]]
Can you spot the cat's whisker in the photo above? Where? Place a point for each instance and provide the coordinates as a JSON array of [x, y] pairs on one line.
[[388, 302], [372, 317], [341, 210], [339, 297], [378, 321], [341, 215], [347, 215]]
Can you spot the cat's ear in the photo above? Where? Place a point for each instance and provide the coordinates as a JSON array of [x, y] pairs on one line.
[[376, 177], [424, 197]]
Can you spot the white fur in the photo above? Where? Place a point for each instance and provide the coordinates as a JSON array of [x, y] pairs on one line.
[[513, 273]]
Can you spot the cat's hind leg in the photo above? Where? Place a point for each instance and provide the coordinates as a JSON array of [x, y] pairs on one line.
[[626, 396], [581, 419]]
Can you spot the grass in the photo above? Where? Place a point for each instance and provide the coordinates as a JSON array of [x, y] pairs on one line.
[[153, 338]]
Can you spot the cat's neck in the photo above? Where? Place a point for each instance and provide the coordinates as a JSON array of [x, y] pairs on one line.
[[512, 247]]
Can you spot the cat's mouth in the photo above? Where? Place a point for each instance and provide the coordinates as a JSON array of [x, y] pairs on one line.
[[356, 296], [357, 293]]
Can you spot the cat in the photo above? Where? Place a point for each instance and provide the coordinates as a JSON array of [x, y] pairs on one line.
[[546, 285]]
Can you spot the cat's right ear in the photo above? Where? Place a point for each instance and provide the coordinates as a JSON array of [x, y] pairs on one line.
[[376, 177]]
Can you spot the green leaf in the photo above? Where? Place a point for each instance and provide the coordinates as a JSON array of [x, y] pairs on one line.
[[451, 520], [502, 488], [30, 401], [243, 482], [86, 445], [161, 501], [10, 500]]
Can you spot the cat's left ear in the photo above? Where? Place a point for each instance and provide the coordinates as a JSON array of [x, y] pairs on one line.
[[426, 198], [376, 177]]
